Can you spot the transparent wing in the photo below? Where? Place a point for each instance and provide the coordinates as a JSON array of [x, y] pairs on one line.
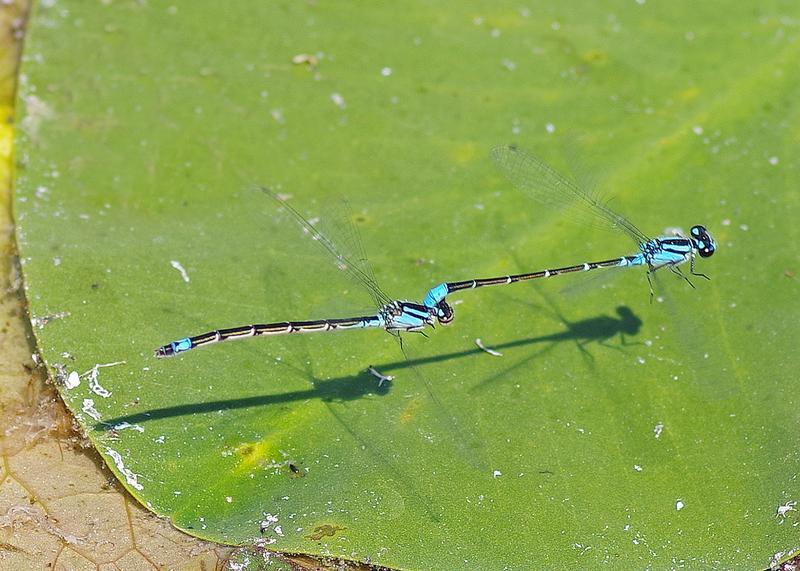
[[355, 263], [470, 447], [351, 243], [545, 185]]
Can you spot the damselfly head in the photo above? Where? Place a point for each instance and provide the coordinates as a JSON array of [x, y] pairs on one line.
[[705, 244], [444, 313]]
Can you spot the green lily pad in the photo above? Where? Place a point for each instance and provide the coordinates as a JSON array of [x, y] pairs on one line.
[[611, 430]]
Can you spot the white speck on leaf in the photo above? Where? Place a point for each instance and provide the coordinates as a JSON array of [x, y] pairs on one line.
[[277, 115], [338, 100], [784, 509], [177, 265], [658, 429], [508, 64]]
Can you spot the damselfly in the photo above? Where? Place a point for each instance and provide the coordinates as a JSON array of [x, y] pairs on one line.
[[542, 183], [395, 316]]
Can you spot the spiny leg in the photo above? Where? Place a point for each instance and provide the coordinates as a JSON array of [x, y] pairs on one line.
[[399, 338], [650, 270], [677, 271], [694, 273]]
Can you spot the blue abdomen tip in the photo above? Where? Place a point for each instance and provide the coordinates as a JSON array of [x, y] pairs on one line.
[[182, 345]]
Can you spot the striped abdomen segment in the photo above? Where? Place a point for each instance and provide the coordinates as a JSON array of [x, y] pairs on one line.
[[503, 280], [280, 328]]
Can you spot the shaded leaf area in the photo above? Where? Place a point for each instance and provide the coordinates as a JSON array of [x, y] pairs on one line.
[[610, 430]]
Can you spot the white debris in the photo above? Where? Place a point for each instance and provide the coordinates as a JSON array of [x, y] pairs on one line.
[[658, 429], [88, 408], [128, 425], [130, 477], [94, 383], [785, 509], [510, 65], [480, 344], [338, 100], [308, 59], [268, 521], [40, 322], [378, 375], [277, 115], [177, 265], [73, 380]]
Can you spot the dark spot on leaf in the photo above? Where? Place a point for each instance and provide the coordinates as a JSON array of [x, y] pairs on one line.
[[296, 471], [324, 531]]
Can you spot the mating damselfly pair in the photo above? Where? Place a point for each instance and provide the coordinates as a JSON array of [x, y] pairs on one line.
[[535, 179]]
